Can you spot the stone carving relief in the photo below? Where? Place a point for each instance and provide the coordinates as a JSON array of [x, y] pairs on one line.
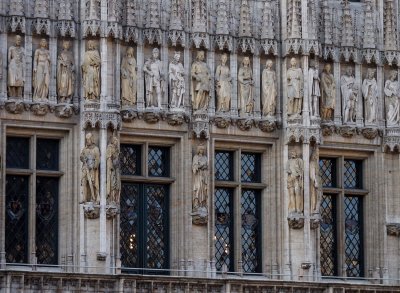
[[65, 74], [177, 82], [245, 90], [349, 92], [392, 96], [200, 186], [16, 69], [90, 158], [314, 92], [223, 84], [113, 171], [370, 94], [328, 93], [154, 80], [294, 89], [128, 79], [201, 83], [295, 184], [269, 90], [91, 73]]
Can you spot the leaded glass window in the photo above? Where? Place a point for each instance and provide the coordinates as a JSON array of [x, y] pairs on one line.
[[348, 252], [144, 221], [244, 249], [24, 205]]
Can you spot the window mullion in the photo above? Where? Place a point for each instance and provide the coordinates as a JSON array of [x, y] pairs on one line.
[[32, 203]]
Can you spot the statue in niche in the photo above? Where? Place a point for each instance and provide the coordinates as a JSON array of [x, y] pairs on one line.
[[294, 89], [128, 79], [347, 86], [370, 94], [113, 171], [223, 82], [65, 74], [16, 69], [269, 90], [177, 81], [91, 72], [295, 174], [41, 73], [328, 93], [314, 92], [200, 83], [200, 182], [154, 80], [392, 96], [90, 158], [314, 181], [350, 110], [245, 80]]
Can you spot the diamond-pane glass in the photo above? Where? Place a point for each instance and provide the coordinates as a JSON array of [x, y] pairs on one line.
[[223, 166], [352, 174], [156, 227], [353, 237], [328, 236], [47, 154], [223, 229], [17, 152], [130, 159], [250, 167], [129, 225], [16, 218], [47, 220], [327, 172], [250, 231], [158, 162]]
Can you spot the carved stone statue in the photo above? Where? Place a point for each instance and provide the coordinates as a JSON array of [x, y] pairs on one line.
[[200, 182], [177, 81], [113, 171], [392, 96], [328, 93], [41, 72], [314, 181], [90, 158], [91, 73], [370, 94], [346, 86], [295, 174], [154, 80], [269, 89], [294, 89], [314, 92], [350, 110], [245, 81], [200, 83], [16, 69], [128, 79], [223, 82], [65, 74]]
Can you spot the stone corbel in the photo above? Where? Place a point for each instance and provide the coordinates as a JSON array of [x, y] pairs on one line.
[[245, 123], [41, 109], [296, 221], [101, 119], [91, 210], [66, 110], [222, 121], [267, 125], [16, 106], [393, 229], [391, 140], [177, 119]]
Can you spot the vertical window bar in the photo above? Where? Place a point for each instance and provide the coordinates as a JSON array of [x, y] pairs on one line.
[[16, 242], [328, 236], [353, 237], [250, 231], [223, 229], [47, 220]]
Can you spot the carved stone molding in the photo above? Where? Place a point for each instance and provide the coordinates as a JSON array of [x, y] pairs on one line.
[[201, 125], [16, 107], [177, 37], [327, 129], [40, 109], [390, 57], [66, 28], [303, 134], [349, 54], [224, 42], [393, 229], [128, 115], [296, 221], [101, 119], [371, 55], [293, 46], [391, 140], [16, 23], [91, 210], [66, 110], [329, 51], [245, 124], [201, 39], [267, 125], [112, 30]]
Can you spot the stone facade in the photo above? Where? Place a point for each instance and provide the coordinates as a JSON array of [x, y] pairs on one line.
[[294, 85]]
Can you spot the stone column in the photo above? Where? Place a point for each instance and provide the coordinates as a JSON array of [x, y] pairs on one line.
[[53, 69], [360, 102], [338, 108], [211, 66], [140, 75], [4, 65], [164, 66], [256, 85], [104, 92], [234, 93], [306, 101], [380, 109], [117, 72], [28, 69], [187, 66], [103, 233]]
